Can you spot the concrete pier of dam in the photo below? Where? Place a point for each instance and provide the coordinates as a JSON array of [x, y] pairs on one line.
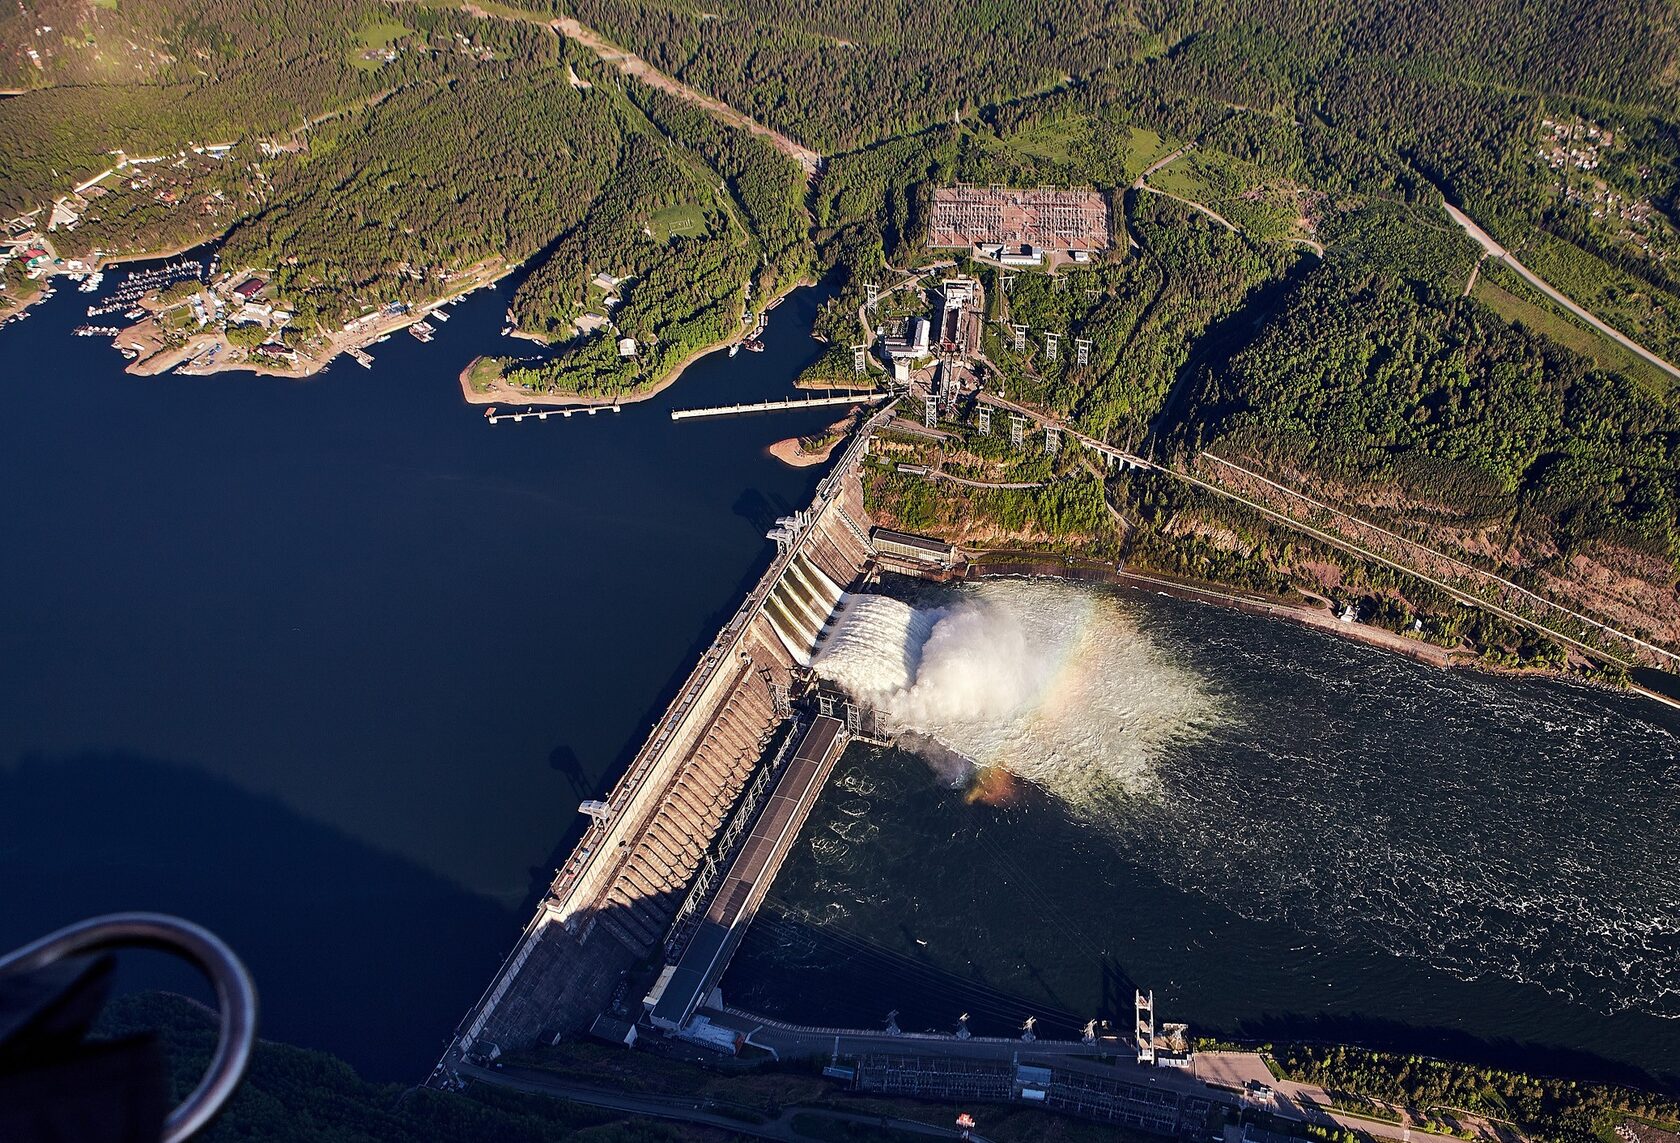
[[614, 901]]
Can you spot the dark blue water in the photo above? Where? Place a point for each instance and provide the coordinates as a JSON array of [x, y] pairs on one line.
[[1281, 832], [328, 665]]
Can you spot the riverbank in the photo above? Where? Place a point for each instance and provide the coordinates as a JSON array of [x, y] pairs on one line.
[[1317, 616], [203, 355], [1323, 619], [478, 388]]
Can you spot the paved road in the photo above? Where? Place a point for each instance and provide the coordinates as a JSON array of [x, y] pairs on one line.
[[690, 1110], [1495, 250]]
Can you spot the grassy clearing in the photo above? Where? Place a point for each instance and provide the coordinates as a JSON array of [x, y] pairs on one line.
[[1550, 323], [373, 38], [1058, 141], [685, 220], [1641, 311], [484, 372], [1261, 202], [1146, 147]]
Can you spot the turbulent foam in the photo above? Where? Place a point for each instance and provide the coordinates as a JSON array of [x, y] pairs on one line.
[[1051, 683], [1483, 826]]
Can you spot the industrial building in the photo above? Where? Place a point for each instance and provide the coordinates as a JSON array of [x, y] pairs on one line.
[[1108, 1093], [912, 549]]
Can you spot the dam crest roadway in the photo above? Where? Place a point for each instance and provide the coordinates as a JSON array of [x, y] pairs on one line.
[[646, 875]]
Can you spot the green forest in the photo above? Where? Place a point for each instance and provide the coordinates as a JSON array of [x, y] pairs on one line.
[[1545, 1109], [1306, 306]]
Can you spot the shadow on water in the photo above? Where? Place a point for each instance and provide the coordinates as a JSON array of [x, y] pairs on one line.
[[324, 922], [752, 505]]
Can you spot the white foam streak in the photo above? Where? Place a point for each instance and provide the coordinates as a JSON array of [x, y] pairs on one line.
[[1054, 683]]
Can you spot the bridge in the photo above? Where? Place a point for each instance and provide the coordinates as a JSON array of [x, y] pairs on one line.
[[777, 406], [621, 892]]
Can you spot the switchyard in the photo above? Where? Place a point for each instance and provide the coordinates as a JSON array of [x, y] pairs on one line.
[[1020, 226]]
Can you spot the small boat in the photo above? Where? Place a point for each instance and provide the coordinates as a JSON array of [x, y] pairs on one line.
[[734, 349], [754, 346], [440, 315]]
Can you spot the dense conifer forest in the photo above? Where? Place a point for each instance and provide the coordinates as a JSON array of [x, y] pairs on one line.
[[1305, 304]]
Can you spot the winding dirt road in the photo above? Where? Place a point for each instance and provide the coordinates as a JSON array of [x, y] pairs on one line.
[[634, 65], [1495, 250]]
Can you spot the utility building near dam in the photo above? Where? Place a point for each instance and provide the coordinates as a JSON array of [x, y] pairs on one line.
[[647, 867]]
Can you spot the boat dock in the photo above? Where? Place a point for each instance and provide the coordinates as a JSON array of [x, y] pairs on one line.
[[773, 406]]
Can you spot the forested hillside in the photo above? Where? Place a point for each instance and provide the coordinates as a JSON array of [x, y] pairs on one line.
[[294, 1094], [1284, 286]]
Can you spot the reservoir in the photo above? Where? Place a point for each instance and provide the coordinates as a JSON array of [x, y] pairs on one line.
[[328, 665]]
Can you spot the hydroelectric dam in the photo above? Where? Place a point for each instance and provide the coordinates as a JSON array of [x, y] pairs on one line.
[[679, 854]]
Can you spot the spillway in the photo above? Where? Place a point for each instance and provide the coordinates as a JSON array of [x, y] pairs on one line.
[[613, 902], [874, 647]]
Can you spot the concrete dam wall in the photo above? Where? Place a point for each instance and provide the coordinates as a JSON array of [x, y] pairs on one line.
[[613, 902]]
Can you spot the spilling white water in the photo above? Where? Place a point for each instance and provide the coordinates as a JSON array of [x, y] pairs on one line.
[[1486, 827], [1052, 683]]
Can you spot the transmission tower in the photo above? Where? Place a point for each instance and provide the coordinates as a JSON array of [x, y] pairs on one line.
[[1050, 341], [1146, 1027], [985, 420]]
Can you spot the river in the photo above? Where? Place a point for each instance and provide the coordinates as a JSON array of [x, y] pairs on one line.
[[1280, 832], [328, 665]]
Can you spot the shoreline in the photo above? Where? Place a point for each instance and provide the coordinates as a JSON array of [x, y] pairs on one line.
[[791, 450], [337, 344], [1429, 654], [498, 394]]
